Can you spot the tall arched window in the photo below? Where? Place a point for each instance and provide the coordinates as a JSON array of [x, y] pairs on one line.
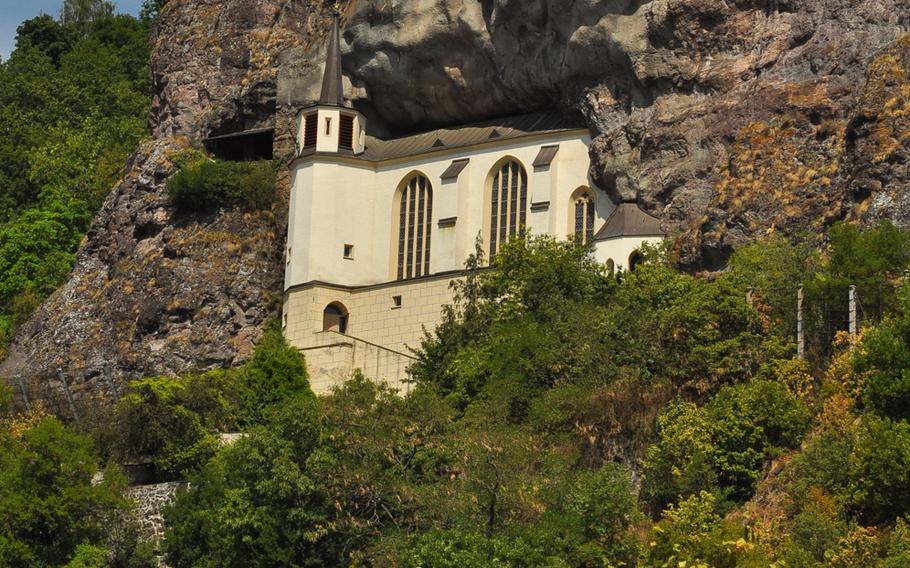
[[415, 216], [508, 203], [582, 214]]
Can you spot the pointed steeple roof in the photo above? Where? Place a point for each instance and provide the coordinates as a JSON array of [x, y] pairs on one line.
[[332, 89]]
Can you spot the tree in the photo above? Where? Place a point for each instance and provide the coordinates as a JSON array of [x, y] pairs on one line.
[[883, 360], [81, 15], [257, 503], [880, 469], [48, 502], [47, 35]]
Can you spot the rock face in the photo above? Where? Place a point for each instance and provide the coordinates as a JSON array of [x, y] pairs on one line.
[[727, 119]]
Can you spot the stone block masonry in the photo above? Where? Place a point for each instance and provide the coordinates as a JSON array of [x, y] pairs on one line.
[[384, 323]]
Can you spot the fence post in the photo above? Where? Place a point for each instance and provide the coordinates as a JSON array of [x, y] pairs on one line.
[[852, 296], [800, 339], [24, 391], [69, 395]]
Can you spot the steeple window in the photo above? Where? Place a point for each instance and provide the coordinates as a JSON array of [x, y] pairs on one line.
[[310, 129], [346, 132]]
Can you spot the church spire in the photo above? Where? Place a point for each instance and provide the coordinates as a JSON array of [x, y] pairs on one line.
[[332, 89]]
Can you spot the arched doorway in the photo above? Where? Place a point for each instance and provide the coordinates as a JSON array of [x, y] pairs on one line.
[[335, 318], [634, 260]]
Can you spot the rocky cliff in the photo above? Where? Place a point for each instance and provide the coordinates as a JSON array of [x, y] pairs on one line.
[[727, 119]]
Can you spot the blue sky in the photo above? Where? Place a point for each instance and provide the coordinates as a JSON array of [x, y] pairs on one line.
[[14, 12]]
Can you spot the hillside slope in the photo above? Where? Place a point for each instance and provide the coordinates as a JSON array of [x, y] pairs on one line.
[[726, 120]]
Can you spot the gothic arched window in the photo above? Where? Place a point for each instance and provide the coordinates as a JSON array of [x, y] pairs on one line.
[[582, 212], [508, 203], [415, 215]]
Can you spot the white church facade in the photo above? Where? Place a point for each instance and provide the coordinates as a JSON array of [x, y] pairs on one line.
[[379, 228]]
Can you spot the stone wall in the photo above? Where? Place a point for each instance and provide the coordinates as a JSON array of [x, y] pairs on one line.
[[335, 356], [150, 499], [386, 332]]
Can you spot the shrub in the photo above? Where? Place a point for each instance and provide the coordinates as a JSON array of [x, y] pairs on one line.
[[723, 446], [171, 420], [693, 534], [275, 373], [880, 469], [48, 503], [752, 423], [257, 503], [606, 504], [679, 463], [884, 359], [205, 183]]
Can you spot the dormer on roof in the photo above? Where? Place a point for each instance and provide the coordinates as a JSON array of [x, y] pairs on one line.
[[330, 125]]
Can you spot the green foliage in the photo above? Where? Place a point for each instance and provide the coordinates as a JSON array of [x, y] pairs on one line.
[[871, 259], [461, 549], [48, 503], [203, 183], [89, 556], [257, 503], [693, 534], [884, 361], [898, 553], [724, 446], [74, 100], [172, 421], [47, 35], [275, 373], [773, 268], [6, 400], [880, 469], [753, 423], [679, 463], [82, 15]]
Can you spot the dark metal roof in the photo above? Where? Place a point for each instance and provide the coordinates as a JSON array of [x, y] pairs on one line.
[[628, 220], [332, 89], [467, 135], [546, 155], [454, 169]]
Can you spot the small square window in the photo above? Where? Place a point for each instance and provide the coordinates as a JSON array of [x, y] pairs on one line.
[[396, 302], [349, 252]]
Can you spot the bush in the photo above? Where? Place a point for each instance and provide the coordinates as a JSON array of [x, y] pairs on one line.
[[693, 534], [48, 503], [172, 421], [257, 503], [880, 469], [203, 183], [679, 463], [884, 360], [753, 423], [275, 373], [723, 446]]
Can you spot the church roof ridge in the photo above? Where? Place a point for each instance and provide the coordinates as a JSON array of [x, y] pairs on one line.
[[516, 126]]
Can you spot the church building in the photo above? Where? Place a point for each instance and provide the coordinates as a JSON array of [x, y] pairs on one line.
[[379, 228]]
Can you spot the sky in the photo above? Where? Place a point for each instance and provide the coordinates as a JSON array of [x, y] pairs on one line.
[[14, 12]]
